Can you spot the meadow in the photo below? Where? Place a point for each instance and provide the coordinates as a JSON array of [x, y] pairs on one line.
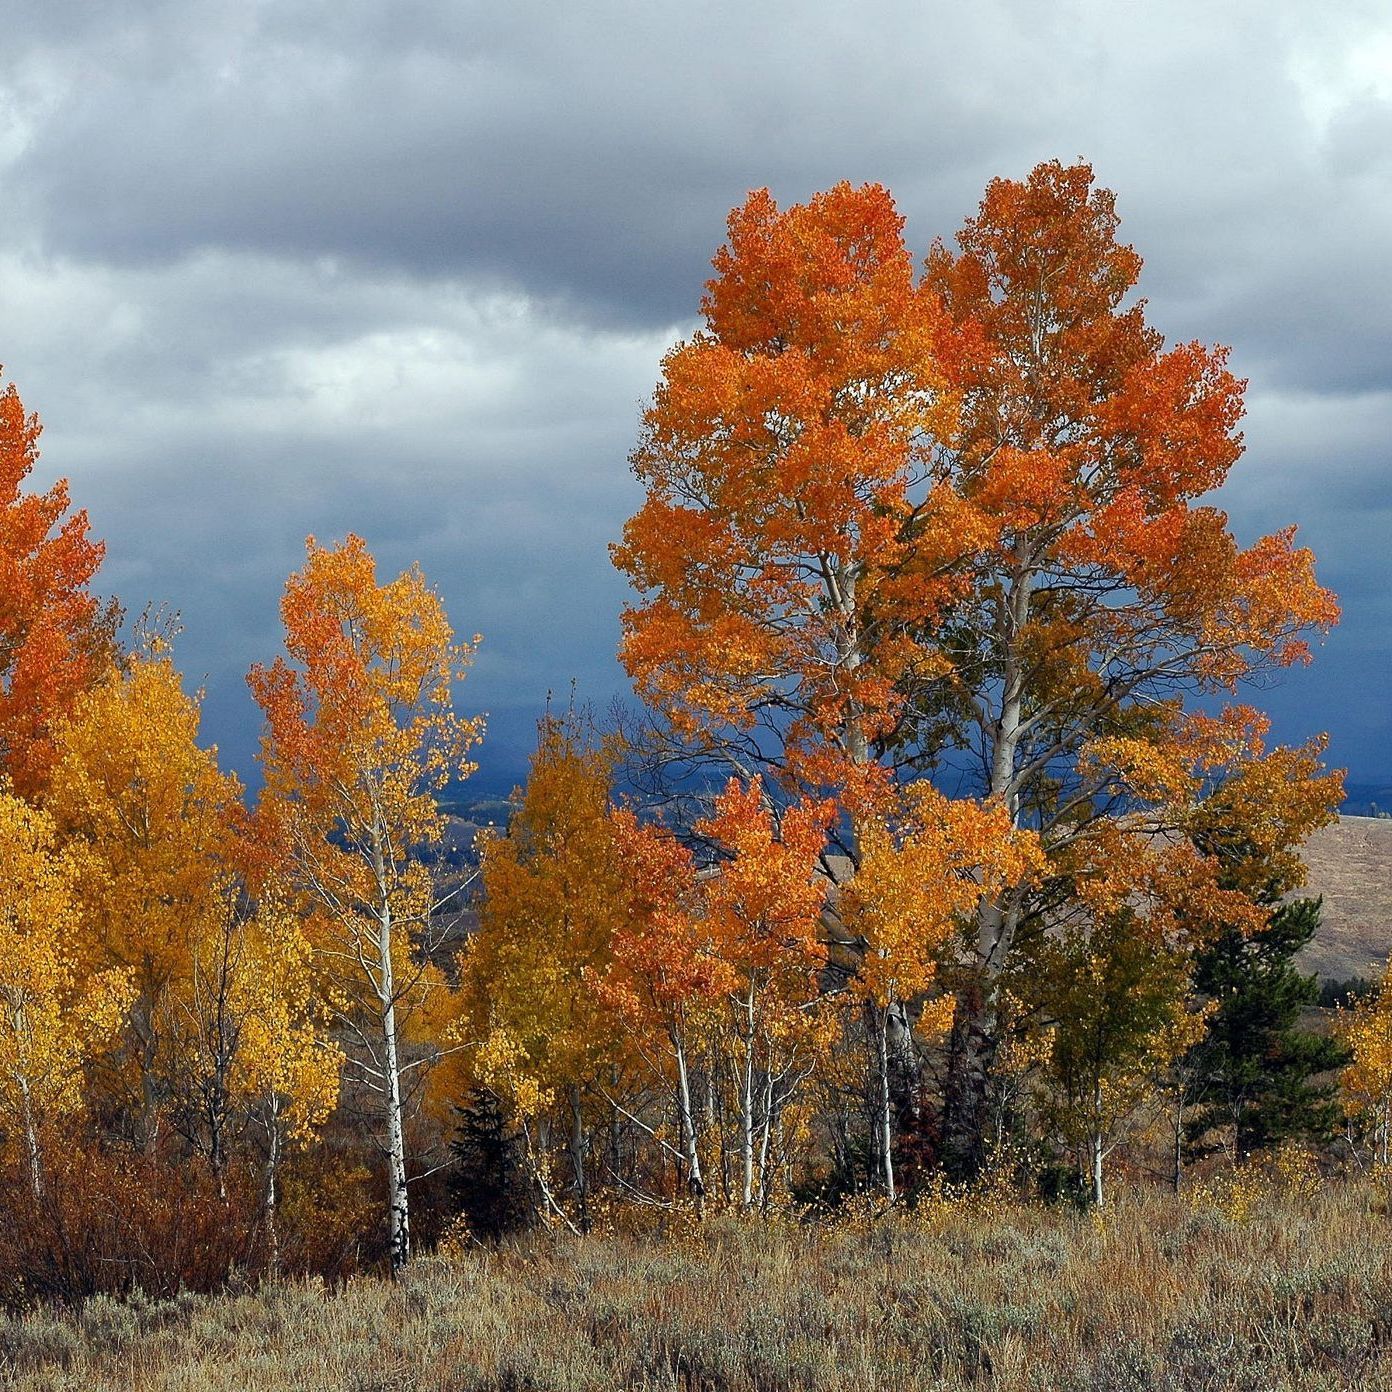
[[1264, 1282]]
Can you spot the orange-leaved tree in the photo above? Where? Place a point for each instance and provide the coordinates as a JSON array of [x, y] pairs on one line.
[[360, 737], [893, 523], [56, 637], [665, 982], [725, 959], [1105, 590], [761, 906], [794, 544]]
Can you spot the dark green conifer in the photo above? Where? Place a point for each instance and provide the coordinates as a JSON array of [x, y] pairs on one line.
[[1257, 1072]]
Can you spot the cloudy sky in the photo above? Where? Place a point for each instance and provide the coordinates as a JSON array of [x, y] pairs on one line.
[[407, 268]]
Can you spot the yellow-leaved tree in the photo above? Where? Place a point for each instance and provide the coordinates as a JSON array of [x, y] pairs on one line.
[[360, 738], [156, 819], [553, 900], [247, 1044], [1366, 1083], [52, 1017], [926, 860]]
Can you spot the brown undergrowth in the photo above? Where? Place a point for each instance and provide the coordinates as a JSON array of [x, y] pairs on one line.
[[1263, 1283]]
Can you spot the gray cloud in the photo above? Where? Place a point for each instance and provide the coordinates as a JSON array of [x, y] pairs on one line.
[[291, 266]]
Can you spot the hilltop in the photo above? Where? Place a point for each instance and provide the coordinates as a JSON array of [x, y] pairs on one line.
[[1351, 868]]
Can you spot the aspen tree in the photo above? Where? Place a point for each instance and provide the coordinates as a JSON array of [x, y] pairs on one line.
[[156, 819], [552, 902], [52, 1015], [360, 737], [56, 637]]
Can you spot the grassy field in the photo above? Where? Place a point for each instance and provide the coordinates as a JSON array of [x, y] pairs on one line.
[[1252, 1286], [1351, 869]]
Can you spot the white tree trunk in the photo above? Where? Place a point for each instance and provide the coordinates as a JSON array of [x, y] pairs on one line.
[[272, 1190], [398, 1205], [765, 1133], [1177, 1178], [885, 1109], [747, 1106], [1096, 1146], [31, 1140], [577, 1157], [693, 1150]]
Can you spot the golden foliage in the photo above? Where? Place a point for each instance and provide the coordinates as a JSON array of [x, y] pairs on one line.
[[53, 1014], [553, 901]]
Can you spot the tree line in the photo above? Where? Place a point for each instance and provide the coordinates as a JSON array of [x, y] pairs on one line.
[[944, 844]]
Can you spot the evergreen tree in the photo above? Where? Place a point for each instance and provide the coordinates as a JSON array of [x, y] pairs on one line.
[[1256, 1068], [487, 1181]]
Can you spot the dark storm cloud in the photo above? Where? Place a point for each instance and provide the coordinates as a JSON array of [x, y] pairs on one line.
[[408, 269], [578, 151]]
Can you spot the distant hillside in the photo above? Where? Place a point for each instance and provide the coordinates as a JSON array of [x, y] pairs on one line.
[[1351, 867]]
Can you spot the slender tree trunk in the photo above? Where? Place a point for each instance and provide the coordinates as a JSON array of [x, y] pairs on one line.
[[537, 1162], [272, 1200], [223, 1046], [747, 1106], [149, 1088], [31, 1141], [902, 1054], [1096, 1145], [974, 1034], [881, 1017], [716, 1099], [1177, 1177], [577, 1156], [217, 1159], [765, 1132], [693, 1151], [615, 1133], [398, 1203], [747, 1135]]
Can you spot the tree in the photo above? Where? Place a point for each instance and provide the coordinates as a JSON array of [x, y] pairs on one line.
[[761, 906], [1117, 1002], [666, 984], [890, 523], [792, 541], [486, 1178], [1365, 1029], [360, 737], [157, 820], [52, 1016], [1105, 592], [552, 901], [1255, 1069], [247, 1034], [725, 960], [56, 637], [924, 866]]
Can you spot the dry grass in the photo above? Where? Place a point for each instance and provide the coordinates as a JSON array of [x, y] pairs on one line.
[[1351, 866], [1254, 1287]]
